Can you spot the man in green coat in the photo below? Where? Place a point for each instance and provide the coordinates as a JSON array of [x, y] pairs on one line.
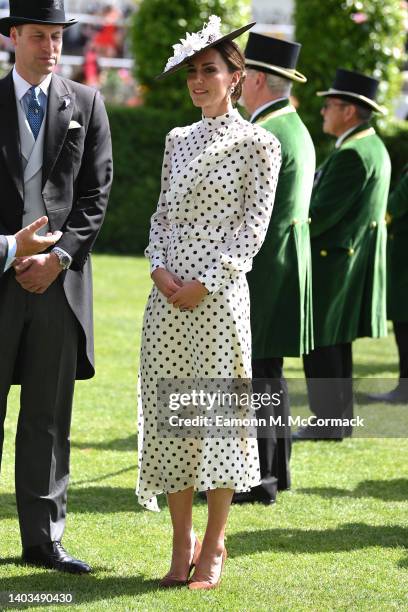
[[280, 279], [397, 285], [348, 249]]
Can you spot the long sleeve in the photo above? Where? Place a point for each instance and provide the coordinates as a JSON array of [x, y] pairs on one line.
[[94, 184], [263, 162], [337, 191], [159, 223]]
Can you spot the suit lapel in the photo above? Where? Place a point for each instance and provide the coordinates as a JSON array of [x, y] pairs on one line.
[[59, 113], [9, 133]]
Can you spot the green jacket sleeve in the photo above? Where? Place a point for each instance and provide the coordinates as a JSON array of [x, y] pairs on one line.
[[398, 200], [337, 190]]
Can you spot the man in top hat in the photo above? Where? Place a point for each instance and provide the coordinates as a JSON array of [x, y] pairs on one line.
[[56, 160], [397, 286], [348, 235], [280, 279], [25, 242]]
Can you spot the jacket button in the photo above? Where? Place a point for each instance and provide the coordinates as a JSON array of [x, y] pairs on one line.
[[294, 221], [309, 220], [323, 253], [373, 224], [351, 252]]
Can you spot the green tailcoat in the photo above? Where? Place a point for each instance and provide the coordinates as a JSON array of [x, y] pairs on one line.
[[349, 237], [280, 279], [397, 279]]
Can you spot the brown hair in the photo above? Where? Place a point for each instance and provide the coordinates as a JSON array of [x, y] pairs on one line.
[[235, 60]]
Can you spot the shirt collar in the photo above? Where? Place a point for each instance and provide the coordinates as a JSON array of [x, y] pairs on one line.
[[343, 137], [264, 107], [21, 86]]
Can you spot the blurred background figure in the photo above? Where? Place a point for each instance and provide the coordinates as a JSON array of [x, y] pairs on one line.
[[348, 237], [109, 40], [397, 285]]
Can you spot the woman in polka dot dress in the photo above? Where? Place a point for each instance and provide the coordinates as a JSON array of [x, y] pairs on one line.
[[218, 185]]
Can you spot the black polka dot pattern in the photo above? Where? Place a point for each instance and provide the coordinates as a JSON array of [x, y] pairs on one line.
[[218, 185]]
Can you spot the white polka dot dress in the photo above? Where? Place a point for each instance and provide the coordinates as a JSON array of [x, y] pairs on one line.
[[218, 185]]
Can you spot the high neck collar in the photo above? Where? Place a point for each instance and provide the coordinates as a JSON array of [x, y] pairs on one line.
[[268, 108], [214, 123]]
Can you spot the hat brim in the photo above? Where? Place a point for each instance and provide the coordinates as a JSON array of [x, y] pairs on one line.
[[288, 73], [230, 36], [7, 22], [350, 94]]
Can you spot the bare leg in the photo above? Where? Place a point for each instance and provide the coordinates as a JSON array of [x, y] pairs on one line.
[[181, 511], [210, 562]]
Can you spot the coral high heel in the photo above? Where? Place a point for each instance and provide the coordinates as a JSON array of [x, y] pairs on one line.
[[206, 585], [170, 581]]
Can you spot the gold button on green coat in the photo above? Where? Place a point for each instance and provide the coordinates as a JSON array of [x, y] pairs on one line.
[[397, 251], [349, 287], [280, 279]]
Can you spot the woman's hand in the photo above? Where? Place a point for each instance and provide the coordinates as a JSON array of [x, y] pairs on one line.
[[188, 296], [166, 282]]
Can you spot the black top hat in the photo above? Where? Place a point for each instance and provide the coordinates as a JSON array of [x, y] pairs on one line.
[[48, 12], [355, 87], [273, 55], [193, 44]]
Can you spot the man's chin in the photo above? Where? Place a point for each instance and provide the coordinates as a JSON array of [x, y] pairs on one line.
[[327, 131]]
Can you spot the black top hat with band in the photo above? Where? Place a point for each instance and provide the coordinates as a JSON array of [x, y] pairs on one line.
[[273, 55], [195, 43], [355, 87], [46, 12]]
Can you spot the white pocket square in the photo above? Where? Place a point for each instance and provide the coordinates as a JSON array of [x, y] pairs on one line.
[[73, 125]]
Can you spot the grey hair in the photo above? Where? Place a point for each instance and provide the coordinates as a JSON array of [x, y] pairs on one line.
[[363, 112], [279, 85]]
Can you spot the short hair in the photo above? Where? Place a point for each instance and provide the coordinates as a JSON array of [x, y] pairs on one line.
[[364, 113], [279, 85]]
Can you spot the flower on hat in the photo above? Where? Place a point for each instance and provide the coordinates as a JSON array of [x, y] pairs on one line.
[[196, 41]]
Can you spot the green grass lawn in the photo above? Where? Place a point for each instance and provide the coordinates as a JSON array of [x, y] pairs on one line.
[[337, 541]]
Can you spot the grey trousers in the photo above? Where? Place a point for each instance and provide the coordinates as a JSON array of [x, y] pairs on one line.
[[39, 335]]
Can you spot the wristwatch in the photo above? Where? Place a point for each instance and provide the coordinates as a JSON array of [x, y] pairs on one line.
[[64, 258]]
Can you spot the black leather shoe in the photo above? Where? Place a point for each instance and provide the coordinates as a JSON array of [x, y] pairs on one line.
[[305, 434], [265, 493], [249, 497], [53, 556], [396, 396]]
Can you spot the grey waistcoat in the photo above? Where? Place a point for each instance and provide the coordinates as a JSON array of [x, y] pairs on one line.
[[32, 159]]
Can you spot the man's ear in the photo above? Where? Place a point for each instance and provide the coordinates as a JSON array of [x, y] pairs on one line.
[[260, 79], [13, 35], [350, 112]]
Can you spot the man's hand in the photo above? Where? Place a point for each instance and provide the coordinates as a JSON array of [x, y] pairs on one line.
[[28, 243], [37, 273], [188, 296], [166, 282]]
